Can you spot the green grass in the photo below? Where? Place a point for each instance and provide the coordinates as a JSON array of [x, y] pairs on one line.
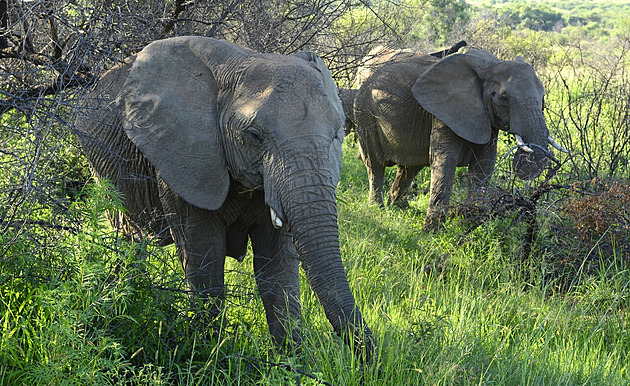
[[453, 307]]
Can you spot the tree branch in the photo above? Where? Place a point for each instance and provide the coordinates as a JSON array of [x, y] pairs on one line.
[[178, 7], [21, 99]]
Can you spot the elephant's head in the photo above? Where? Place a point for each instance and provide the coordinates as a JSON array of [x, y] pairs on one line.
[[475, 92], [208, 114]]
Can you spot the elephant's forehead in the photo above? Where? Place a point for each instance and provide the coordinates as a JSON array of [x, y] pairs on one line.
[[291, 95], [519, 79], [514, 71], [287, 95], [292, 107], [259, 75]]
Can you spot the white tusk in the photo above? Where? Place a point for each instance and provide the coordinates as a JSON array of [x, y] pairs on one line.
[[556, 145], [275, 220], [521, 144]]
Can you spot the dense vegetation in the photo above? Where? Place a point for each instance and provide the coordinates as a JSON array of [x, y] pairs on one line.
[[528, 285]]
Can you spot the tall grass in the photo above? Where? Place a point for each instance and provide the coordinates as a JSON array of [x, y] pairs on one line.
[[465, 309], [453, 307]]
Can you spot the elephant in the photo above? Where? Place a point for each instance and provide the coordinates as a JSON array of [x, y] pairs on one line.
[[347, 95], [213, 145], [420, 110]]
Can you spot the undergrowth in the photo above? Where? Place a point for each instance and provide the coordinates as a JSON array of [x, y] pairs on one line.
[[458, 306]]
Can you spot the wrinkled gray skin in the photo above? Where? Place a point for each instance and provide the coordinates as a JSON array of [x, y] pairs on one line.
[[375, 58], [422, 111], [206, 137]]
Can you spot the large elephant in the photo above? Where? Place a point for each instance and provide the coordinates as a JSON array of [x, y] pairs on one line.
[[226, 145], [421, 110]]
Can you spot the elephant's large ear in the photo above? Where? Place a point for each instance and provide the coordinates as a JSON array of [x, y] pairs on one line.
[[451, 90], [331, 90], [169, 105]]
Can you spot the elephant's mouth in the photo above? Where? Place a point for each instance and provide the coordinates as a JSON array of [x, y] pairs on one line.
[[531, 159], [529, 165]]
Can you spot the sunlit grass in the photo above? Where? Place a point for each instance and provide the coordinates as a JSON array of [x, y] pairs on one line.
[[457, 306]]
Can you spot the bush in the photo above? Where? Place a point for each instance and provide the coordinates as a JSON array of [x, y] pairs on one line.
[[600, 209]]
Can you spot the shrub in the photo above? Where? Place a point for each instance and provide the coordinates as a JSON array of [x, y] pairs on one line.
[[601, 210]]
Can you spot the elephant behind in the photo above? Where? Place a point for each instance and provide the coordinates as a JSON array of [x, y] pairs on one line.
[[213, 145], [421, 110], [347, 95], [375, 58]]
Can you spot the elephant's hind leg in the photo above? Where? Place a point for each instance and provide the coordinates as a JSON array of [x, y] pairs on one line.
[[376, 177], [399, 192], [375, 170]]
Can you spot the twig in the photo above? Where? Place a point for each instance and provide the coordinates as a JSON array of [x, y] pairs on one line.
[[288, 368], [21, 99], [41, 223]]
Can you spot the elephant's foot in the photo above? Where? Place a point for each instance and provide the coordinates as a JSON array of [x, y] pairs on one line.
[[399, 202], [208, 317], [373, 200], [400, 198], [290, 343], [434, 221]]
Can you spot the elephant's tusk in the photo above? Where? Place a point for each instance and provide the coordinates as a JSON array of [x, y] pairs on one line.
[[275, 220], [556, 145], [521, 144]]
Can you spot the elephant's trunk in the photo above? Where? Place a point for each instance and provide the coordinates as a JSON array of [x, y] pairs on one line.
[[528, 122], [309, 206]]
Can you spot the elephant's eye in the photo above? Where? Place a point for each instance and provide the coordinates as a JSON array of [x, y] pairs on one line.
[[253, 134], [503, 98]]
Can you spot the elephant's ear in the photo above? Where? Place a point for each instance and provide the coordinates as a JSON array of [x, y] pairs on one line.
[[334, 156], [169, 105], [451, 90], [331, 90]]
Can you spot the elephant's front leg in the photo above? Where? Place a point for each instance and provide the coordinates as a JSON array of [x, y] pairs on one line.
[[444, 155], [399, 191], [482, 164], [203, 250], [200, 237], [278, 278]]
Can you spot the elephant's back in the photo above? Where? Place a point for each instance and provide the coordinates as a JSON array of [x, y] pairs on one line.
[[114, 157], [401, 126]]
